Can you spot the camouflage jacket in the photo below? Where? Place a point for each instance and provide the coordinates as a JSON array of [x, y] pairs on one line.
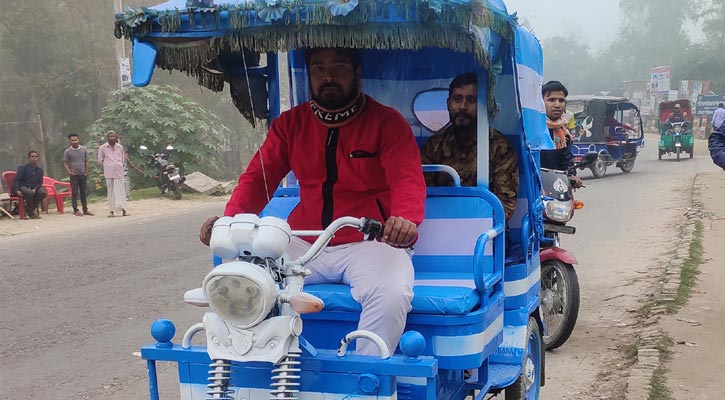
[[503, 173]]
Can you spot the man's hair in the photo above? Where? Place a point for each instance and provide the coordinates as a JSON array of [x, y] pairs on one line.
[[72, 135], [553, 86], [469, 78], [354, 55], [721, 105], [33, 151]]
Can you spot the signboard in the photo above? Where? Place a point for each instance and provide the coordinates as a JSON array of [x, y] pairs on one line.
[[660, 79], [706, 105], [125, 72], [672, 95], [684, 89], [696, 89]]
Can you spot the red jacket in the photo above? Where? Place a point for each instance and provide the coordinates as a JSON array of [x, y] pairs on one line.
[[376, 164]]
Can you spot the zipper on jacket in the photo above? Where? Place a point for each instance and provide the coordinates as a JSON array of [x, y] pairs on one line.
[[331, 165], [382, 212]]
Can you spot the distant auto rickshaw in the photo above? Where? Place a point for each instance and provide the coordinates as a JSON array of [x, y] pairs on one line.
[[610, 126], [675, 129]]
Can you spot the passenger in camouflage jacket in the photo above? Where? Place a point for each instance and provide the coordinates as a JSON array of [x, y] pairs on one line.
[[455, 146]]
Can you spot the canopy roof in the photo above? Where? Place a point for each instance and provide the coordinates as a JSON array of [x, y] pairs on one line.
[[188, 33]]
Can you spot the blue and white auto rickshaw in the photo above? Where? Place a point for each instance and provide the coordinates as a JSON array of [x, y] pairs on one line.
[[475, 327]]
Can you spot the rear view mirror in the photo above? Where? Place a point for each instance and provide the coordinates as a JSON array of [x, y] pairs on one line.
[[142, 147], [430, 109], [169, 147]]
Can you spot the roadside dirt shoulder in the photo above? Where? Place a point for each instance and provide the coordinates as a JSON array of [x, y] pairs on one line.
[[140, 210], [697, 329]]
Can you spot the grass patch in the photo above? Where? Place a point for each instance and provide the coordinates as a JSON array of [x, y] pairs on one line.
[[658, 383], [688, 274], [631, 353]]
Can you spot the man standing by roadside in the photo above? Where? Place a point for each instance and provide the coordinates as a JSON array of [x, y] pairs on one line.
[[75, 161], [716, 143], [28, 183], [111, 156]]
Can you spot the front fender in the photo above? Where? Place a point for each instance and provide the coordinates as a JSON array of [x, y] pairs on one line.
[[558, 254]]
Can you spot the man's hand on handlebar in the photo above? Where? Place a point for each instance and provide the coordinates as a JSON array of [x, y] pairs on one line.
[[205, 233], [576, 182], [399, 232]]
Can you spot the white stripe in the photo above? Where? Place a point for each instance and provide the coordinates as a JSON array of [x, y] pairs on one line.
[[412, 380], [197, 391], [522, 286], [530, 88], [514, 337], [451, 346], [452, 237], [466, 283]]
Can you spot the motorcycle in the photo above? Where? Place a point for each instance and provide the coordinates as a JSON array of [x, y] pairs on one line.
[[559, 281], [169, 177]]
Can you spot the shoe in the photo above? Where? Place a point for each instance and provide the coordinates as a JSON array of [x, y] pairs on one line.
[[88, 213], [125, 214], [110, 214], [77, 213], [35, 216]]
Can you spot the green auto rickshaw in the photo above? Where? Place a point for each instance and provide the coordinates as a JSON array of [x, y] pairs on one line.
[[675, 126]]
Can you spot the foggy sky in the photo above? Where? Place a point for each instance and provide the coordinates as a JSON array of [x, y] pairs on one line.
[[594, 21]]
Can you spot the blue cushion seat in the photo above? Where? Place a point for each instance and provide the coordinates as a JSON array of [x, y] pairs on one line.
[[452, 294]]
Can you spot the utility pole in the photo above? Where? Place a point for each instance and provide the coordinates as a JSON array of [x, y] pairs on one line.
[[42, 142], [120, 45]]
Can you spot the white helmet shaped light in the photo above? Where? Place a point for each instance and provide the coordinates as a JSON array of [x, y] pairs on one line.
[[221, 243], [240, 293], [243, 230], [272, 238]]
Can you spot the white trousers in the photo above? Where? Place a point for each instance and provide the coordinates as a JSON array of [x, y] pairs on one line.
[[116, 194], [380, 279]]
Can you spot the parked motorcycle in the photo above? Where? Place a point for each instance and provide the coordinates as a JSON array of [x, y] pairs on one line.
[[169, 177], [559, 281]]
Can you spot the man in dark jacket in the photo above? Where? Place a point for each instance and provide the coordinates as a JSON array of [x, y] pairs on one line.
[[561, 158], [28, 183]]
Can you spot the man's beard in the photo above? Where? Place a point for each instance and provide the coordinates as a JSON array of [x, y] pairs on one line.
[[465, 126], [337, 102]]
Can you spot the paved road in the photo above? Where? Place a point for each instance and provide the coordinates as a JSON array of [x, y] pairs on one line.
[[75, 309], [627, 225]]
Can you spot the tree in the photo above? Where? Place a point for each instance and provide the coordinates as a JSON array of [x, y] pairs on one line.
[[156, 116]]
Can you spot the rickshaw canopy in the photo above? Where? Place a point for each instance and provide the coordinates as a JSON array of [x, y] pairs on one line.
[[433, 41]]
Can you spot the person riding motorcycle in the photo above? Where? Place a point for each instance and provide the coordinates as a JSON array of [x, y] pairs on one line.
[[677, 115], [561, 158]]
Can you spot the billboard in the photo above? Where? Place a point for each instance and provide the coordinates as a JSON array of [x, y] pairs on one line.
[[707, 104], [660, 79]]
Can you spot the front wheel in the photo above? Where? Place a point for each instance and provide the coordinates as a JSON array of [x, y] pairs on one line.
[[659, 155], [677, 150], [528, 384], [599, 169], [692, 152], [559, 301], [175, 189]]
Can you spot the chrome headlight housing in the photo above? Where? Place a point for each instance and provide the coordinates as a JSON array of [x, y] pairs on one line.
[[559, 211], [241, 293]]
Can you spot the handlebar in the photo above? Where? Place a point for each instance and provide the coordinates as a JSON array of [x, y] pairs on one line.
[[370, 228]]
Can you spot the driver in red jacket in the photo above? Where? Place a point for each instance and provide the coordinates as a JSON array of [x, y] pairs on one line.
[[354, 157]]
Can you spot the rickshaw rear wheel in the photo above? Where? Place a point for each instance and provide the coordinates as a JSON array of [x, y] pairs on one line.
[[627, 166], [599, 168], [528, 384], [692, 152], [659, 155], [560, 292]]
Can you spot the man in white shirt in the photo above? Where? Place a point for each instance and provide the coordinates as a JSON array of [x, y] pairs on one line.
[[112, 156], [718, 117]]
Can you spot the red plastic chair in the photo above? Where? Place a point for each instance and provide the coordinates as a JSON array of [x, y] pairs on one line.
[[8, 178], [51, 188]]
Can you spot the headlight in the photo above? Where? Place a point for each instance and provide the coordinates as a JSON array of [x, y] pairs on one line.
[[560, 211], [240, 293]]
